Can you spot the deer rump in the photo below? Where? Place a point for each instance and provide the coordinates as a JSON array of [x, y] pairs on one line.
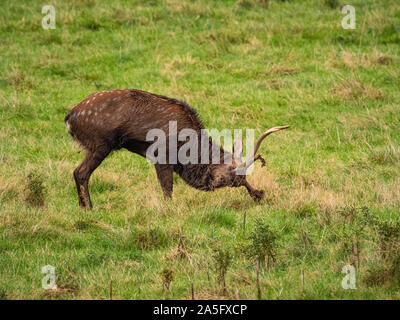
[[113, 119]]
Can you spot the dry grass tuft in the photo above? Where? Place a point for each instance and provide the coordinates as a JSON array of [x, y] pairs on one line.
[[381, 58], [354, 90], [353, 60], [282, 70], [63, 291], [17, 78]]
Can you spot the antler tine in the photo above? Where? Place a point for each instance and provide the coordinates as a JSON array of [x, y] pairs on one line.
[[250, 159]]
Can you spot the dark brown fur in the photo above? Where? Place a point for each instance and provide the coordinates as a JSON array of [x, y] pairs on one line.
[[115, 119]]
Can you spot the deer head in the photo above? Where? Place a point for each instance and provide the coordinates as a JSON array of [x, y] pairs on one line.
[[234, 174]]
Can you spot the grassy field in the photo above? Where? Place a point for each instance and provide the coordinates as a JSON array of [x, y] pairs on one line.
[[332, 181]]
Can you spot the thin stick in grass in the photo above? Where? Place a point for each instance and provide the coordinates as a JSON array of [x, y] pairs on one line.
[[259, 297]]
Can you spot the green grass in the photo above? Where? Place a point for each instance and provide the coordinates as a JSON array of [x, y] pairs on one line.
[[332, 181]]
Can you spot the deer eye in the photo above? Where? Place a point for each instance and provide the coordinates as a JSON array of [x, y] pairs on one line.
[[231, 168]]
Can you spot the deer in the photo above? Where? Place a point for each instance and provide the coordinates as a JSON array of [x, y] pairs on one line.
[[116, 119]]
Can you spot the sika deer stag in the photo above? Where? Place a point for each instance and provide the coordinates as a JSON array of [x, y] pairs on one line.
[[115, 119]]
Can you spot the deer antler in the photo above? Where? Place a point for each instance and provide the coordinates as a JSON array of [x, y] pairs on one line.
[[259, 157], [250, 160]]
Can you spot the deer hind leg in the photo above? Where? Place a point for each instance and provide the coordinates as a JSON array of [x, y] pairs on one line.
[[165, 176], [82, 175]]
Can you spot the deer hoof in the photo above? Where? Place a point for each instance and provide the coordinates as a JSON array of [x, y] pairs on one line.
[[257, 195]]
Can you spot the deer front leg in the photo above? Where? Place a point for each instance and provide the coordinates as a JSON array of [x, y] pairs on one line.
[[165, 176], [257, 195]]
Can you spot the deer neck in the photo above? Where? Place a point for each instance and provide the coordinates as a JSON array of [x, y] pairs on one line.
[[200, 175]]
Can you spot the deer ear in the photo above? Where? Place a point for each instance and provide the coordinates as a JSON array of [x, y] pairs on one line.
[[237, 150]]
